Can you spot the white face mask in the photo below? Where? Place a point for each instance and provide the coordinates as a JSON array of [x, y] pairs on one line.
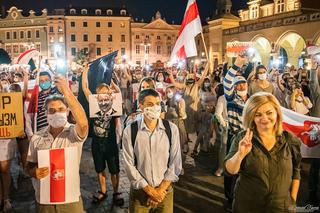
[[242, 93], [170, 94], [152, 113], [262, 76], [57, 120]]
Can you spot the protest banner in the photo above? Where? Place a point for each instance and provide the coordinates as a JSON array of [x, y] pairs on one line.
[[62, 184], [100, 104], [11, 115]]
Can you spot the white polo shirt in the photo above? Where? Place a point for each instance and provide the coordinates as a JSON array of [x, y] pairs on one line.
[[43, 140]]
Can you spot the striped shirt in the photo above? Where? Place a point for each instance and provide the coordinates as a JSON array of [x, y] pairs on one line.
[[41, 116], [235, 103]]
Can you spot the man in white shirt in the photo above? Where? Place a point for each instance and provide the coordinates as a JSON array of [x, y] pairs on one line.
[[59, 134], [152, 157]]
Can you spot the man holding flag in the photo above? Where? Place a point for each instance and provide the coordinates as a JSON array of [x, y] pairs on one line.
[[58, 135]]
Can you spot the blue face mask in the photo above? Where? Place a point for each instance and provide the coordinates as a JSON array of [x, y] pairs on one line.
[[45, 85]]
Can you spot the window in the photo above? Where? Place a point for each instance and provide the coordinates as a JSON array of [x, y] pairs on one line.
[[137, 49], [147, 37], [169, 38], [37, 33], [110, 38], [61, 39], [14, 36], [109, 24], [123, 12], [280, 6], [22, 48], [98, 38], [109, 12], [98, 12], [158, 37], [86, 50], [85, 24], [51, 39], [85, 37], [147, 49], [38, 47], [8, 49], [254, 12], [97, 24], [60, 29], [73, 37], [138, 63], [84, 12], [72, 11], [15, 48], [110, 49], [123, 51], [72, 24], [122, 25], [123, 38], [137, 37], [51, 29], [158, 50], [73, 51], [8, 35], [29, 34], [98, 51], [168, 50]]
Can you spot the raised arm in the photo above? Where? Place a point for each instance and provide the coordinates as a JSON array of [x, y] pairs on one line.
[[314, 81], [76, 109], [85, 85], [204, 74], [231, 74]]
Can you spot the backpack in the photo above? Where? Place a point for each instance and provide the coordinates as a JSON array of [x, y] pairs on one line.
[[134, 132]]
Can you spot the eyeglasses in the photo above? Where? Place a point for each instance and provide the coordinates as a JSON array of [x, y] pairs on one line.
[[53, 110]]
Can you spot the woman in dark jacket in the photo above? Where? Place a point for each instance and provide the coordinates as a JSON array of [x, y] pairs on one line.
[[266, 158]]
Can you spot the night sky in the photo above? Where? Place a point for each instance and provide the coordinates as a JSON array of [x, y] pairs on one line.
[[172, 10]]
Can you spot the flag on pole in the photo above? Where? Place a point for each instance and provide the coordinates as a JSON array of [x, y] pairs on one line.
[[306, 128], [62, 185], [191, 26], [25, 57]]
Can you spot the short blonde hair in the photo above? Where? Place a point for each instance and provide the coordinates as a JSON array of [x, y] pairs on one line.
[[254, 103]]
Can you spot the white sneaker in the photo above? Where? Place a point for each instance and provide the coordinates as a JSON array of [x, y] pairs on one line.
[[7, 205]]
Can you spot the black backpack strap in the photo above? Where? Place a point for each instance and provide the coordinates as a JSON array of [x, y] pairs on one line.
[[166, 125], [134, 132]]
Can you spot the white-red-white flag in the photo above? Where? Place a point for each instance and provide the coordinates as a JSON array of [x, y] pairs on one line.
[[306, 128], [62, 185], [191, 26]]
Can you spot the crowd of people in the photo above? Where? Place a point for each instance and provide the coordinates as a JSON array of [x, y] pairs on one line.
[[237, 106]]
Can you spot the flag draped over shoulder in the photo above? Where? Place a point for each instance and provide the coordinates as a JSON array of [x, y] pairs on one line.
[[306, 128], [191, 26]]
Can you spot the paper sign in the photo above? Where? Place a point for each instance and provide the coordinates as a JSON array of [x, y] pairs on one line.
[[62, 185], [11, 115], [105, 104]]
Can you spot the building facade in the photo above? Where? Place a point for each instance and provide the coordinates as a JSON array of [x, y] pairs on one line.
[[279, 29], [152, 42], [20, 31]]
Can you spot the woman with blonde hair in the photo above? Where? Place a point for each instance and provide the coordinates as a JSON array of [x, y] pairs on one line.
[[266, 158]]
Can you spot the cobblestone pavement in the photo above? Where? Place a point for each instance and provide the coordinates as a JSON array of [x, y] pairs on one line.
[[197, 190]]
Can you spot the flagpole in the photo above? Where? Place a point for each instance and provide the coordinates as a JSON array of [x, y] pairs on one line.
[[205, 47]]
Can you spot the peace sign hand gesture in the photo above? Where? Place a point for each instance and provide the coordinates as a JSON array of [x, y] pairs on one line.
[[245, 145]]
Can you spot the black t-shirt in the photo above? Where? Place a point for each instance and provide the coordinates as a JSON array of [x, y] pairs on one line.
[[104, 127]]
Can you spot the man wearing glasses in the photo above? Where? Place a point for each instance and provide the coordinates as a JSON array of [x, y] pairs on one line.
[[59, 134]]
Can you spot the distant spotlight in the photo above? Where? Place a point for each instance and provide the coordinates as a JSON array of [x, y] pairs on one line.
[[147, 67], [277, 62], [124, 57], [61, 63], [288, 65]]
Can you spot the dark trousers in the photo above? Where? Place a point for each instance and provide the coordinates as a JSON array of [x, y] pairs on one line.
[[229, 181], [314, 175]]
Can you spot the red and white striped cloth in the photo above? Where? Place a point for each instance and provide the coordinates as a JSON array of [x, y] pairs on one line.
[[306, 128], [62, 185], [191, 26]]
